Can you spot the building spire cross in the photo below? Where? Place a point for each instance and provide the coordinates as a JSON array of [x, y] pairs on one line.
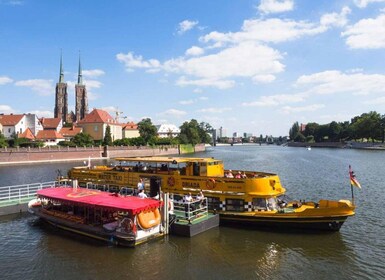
[[61, 77], [80, 75]]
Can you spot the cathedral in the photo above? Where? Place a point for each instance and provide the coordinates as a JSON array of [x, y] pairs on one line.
[[61, 98]]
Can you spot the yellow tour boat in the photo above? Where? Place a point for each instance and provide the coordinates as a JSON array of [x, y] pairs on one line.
[[247, 197]]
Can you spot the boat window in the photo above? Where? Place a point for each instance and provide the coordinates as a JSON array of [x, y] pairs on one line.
[[196, 168], [272, 203], [213, 203], [259, 204], [235, 205]]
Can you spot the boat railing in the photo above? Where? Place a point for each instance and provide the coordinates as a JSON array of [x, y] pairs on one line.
[[22, 193], [190, 211]]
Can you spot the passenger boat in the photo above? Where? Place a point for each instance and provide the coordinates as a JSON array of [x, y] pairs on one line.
[[252, 198], [125, 221]]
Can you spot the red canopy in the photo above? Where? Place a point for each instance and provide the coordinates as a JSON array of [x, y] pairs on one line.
[[95, 198]]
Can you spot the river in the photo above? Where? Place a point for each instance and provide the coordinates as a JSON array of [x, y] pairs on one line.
[[30, 250]]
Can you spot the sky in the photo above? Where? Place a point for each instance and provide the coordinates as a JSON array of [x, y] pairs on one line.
[[246, 66]]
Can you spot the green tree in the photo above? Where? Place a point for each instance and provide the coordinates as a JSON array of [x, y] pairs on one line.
[[334, 131], [3, 141], [147, 131], [83, 139], [189, 133], [294, 130], [203, 130], [107, 141], [368, 126]]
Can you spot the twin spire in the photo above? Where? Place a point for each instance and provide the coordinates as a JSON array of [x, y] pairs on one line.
[[80, 75]]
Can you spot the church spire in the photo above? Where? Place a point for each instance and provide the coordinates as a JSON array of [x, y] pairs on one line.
[[61, 78], [80, 76]]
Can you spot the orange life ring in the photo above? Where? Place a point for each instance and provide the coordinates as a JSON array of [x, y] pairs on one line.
[[171, 181], [149, 219], [210, 184]]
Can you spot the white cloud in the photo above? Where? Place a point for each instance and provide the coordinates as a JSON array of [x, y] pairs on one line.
[[93, 73], [263, 79], [272, 30], [186, 102], [364, 3], [332, 82], [42, 87], [308, 108], [131, 61], [92, 84], [195, 51], [186, 25], [275, 100], [335, 19], [203, 98], [6, 109], [173, 113], [5, 80], [366, 34], [214, 110], [275, 6], [376, 101], [42, 114], [221, 84]]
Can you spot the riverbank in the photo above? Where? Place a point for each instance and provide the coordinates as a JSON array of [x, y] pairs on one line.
[[340, 145], [16, 156]]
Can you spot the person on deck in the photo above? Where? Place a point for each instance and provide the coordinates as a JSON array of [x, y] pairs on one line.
[[142, 194], [188, 207]]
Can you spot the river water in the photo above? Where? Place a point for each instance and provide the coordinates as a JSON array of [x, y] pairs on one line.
[[30, 250]]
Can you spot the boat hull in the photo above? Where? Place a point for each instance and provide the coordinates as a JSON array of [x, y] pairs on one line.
[[97, 233], [284, 223]]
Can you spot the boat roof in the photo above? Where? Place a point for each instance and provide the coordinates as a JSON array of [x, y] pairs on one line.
[[95, 198], [173, 160]]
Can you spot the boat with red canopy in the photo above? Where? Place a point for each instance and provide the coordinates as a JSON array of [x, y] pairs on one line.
[[119, 220]]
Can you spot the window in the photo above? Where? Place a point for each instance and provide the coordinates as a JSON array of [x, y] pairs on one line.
[[235, 205], [96, 128], [213, 203], [259, 204]]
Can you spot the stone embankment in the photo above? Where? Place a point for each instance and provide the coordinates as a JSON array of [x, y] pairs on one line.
[[52, 154]]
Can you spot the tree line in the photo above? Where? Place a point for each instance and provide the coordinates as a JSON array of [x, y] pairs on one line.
[[191, 132], [368, 126]]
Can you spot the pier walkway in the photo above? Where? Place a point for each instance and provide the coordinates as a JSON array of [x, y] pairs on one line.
[[14, 199]]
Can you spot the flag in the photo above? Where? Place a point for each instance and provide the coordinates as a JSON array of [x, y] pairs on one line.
[[353, 180]]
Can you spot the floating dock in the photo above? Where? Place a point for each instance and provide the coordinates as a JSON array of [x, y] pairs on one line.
[[196, 226]]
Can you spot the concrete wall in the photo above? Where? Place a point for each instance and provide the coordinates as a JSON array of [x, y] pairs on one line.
[[24, 155]]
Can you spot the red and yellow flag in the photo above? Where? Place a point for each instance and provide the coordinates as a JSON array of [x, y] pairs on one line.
[[353, 179]]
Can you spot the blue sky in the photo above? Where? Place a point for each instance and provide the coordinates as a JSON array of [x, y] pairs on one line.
[[246, 66]]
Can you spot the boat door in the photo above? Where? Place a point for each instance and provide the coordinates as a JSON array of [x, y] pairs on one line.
[[155, 183]]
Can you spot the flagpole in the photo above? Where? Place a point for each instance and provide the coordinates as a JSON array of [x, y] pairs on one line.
[[351, 187]]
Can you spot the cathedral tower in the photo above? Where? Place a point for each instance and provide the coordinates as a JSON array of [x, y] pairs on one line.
[[61, 97], [81, 108]]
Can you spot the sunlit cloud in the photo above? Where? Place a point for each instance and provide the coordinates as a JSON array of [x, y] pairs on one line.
[[41, 86], [5, 80], [186, 25]]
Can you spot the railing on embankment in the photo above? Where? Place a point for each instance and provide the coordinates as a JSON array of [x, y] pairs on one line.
[[14, 199], [57, 153]]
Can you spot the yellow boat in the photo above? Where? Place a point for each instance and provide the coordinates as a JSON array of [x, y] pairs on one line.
[[253, 198]]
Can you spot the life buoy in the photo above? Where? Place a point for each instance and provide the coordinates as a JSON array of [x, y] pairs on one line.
[[210, 184], [171, 181], [149, 219]]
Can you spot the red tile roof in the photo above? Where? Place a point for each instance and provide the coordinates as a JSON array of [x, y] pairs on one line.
[[48, 134], [130, 126], [27, 134], [6, 120], [50, 123], [98, 116], [70, 131]]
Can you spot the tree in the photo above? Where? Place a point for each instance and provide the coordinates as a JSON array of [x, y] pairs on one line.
[[147, 131], [83, 139], [334, 131], [294, 130], [203, 130], [3, 141], [189, 133], [107, 141]]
